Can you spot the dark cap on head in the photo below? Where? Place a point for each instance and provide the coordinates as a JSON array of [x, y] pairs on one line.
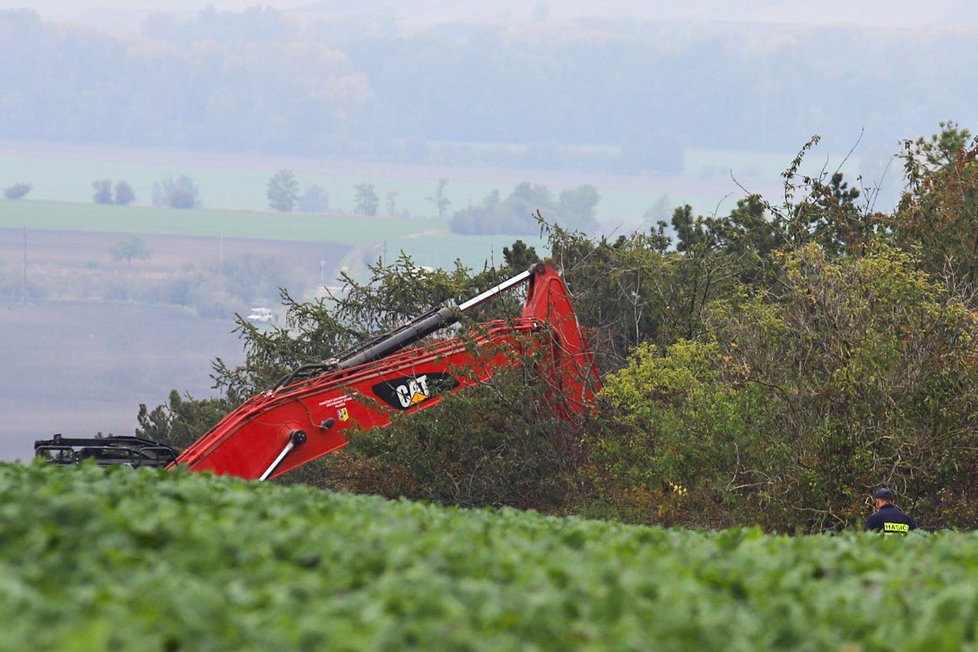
[[883, 494]]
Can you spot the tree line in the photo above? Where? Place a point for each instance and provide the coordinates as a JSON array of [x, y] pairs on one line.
[[768, 366], [628, 98], [575, 208]]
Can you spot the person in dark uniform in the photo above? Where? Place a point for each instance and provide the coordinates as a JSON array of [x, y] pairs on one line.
[[888, 518]]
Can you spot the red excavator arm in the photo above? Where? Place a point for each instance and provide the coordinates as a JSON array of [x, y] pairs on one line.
[[307, 414]]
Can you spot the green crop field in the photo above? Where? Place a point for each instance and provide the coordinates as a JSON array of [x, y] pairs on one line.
[[94, 559], [59, 216]]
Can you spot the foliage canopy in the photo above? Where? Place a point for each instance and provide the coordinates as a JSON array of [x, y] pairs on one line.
[[768, 366]]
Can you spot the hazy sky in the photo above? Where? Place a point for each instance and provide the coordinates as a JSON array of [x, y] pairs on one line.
[[116, 15], [905, 77]]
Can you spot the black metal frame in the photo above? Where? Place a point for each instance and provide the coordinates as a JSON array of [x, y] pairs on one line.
[[129, 451]]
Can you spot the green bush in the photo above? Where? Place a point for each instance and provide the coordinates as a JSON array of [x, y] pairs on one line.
[[680, 441], [856, 373]]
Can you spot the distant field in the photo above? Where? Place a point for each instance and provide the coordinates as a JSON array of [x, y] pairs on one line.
[[61, 216], [428, 242], [65, 174], [235, 206]]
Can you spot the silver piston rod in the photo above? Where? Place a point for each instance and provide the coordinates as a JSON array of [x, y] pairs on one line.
[[437, 319]]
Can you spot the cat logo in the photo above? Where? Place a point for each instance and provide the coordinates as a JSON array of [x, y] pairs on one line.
[[412, 392], [407, 391], [343, 414]]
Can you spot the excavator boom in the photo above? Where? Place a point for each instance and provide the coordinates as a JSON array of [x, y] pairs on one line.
[[307, 415]]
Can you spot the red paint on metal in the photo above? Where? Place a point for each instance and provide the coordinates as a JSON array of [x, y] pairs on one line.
[[247, 441]]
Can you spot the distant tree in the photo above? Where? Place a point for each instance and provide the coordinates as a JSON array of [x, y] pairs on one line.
[[439, 199], [158, 196], [314, 200], [659, 212], [391, 202], [129, 249], [124, 194], [103, 191], [514, 215], [576, 208], [367, 200], [283, 191], [176, 193], [537, 195], [17, 190]]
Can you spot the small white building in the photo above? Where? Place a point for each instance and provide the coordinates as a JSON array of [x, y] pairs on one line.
[[261, 315]]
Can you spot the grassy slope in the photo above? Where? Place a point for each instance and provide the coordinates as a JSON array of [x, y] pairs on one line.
[[97, 560], [58, 216]]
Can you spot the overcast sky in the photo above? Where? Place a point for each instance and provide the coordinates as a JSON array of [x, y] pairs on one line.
[[122, 15]]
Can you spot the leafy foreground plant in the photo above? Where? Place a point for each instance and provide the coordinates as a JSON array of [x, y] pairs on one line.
[[142, 560]]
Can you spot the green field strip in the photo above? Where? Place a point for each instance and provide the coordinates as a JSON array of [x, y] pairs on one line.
[[58, 216]]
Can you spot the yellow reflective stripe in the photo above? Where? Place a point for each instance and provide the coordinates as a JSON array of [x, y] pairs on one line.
[[895, 528]]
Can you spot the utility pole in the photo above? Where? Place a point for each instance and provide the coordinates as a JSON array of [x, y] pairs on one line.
[[23, 296], [220, 256]]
